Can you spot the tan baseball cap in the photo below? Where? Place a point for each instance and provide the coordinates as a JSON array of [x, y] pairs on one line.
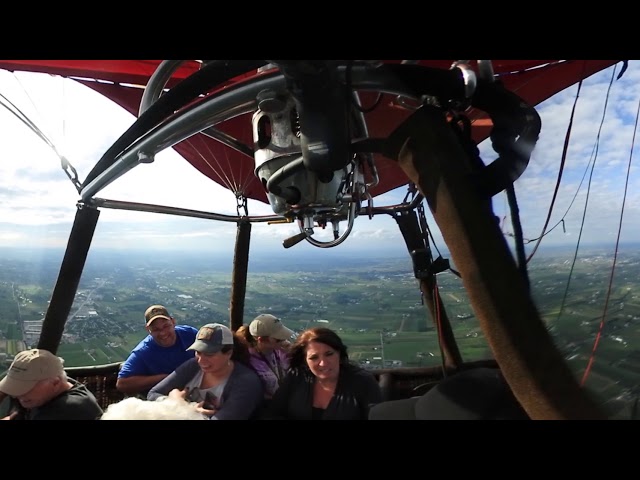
[[28, 368], [266, 325]]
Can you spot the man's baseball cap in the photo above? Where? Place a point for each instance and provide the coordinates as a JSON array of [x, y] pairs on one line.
[[211, 338], [266, 325], [28, 368], [155, 312]]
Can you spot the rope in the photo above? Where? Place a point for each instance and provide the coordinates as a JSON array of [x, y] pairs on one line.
[[561, 170], [592, 161], [615, 256]]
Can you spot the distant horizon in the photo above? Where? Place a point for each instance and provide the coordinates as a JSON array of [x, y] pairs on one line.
[[284, 254]]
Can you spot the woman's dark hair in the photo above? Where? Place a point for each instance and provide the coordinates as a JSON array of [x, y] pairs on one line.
[[244, 334], [297, 352], [240, 351]]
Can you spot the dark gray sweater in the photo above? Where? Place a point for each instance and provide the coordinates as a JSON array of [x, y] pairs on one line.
[[241, 397], [356, 391]]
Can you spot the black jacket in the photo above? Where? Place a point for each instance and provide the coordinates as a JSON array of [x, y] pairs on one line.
[[356, 391]]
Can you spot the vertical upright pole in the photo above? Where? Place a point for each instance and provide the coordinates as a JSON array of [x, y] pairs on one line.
[[422, 267], [239, 276], [66, 286]]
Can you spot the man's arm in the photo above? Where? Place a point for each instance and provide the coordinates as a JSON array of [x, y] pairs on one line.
[[14, 411], [138, 383], [12, 416], [135, 377], [176, 379]]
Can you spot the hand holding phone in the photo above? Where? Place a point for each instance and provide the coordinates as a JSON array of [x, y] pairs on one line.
[[211, 402]]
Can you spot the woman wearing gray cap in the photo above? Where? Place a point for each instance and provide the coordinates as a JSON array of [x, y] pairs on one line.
[[223, 387]]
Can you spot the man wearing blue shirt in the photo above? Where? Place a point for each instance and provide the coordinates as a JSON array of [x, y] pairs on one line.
[[159, 354]]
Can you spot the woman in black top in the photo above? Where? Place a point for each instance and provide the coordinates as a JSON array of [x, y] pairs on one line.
[[322, 384]]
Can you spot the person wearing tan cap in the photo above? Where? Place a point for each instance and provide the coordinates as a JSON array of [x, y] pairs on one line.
[[223, 387], [158, 354], [264, 337], [37, 380]]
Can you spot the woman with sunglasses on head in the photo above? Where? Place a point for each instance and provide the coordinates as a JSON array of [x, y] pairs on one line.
[[322, 384], [265, 338]]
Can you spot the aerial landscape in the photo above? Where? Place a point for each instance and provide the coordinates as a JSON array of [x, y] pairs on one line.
[[374, 302]]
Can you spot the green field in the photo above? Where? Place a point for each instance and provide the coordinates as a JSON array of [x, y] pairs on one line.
[[375, 306]]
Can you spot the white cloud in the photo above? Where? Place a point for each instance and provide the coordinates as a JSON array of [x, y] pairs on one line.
[[39, 201]]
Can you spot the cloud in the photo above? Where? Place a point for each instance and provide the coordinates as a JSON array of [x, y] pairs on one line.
[[39, 200]]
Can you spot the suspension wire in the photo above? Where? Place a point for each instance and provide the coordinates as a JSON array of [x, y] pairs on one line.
[[412, 190], [564, 215], [429, 234], [64, 116], [69, 170], [561, 169], [537, 67], [235, 185], [615, 256], [435, 294], [517, 228], [592, 161], [241, 183], [545, 231], [229, 183], [436, 305], [246, 177], [9, 105]]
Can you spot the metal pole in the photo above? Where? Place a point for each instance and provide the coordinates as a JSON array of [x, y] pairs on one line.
[[68, 278], [239, 280]]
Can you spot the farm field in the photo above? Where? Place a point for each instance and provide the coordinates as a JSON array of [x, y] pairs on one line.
[[374, 304]]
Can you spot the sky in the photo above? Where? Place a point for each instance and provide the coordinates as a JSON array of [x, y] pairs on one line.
[[38, 201]]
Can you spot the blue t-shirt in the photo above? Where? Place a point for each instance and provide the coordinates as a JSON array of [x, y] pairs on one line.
[[149, 358]]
